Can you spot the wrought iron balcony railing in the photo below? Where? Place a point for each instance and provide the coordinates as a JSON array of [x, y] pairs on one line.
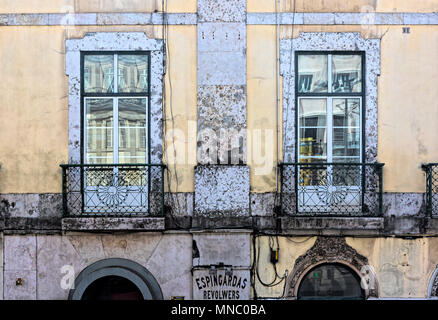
[[431, 188], [121, 190], [331, 189]]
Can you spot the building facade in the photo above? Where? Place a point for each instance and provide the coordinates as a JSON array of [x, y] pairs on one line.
[[219, 149]]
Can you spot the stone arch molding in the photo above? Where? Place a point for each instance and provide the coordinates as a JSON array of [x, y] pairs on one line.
[[113, 41], [332, 250], [330, 41], [432, 290], [130, 270]]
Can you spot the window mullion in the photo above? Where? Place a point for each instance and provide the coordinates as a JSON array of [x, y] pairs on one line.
[[329, 129], [116, 112], [361, 128], [298, 133], [86, 130], [116, 129], [329, 74], [116, 76]]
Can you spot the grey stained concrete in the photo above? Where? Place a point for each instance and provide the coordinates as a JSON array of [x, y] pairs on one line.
[[38, 260], [221, 190]]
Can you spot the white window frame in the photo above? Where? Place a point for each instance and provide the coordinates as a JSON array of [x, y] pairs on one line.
[[310, 193], [115, 99]]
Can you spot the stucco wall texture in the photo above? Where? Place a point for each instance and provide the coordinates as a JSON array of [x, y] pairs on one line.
[[35, 116], [342, 6], [34, 138], [403, 267], [38, 260], [34, 95]]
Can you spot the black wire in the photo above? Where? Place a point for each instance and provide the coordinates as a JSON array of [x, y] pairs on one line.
[[166, 65], [272, 284], [252, 270]]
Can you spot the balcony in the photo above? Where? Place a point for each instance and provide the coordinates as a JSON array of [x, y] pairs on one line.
[[431, 170], [112, 190], [331, 189]]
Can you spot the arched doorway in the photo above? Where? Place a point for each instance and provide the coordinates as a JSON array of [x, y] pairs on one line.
[[331, 281], [115, 279]]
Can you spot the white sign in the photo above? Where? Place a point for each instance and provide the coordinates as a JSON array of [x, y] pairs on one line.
[[221, 286]]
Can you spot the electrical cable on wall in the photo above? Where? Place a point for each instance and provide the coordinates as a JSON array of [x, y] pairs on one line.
[[166, 67], [256, 268]]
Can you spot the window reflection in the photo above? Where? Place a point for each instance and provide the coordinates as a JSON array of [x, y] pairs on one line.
[[347, 73], [313, 132], [313, 112], [99, 73], [331, 281], [133, 73], [99, 131], [346, 127], [132, 130], [312, 73]]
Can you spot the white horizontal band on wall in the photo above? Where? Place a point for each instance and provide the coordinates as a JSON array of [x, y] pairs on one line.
[[285, 18]]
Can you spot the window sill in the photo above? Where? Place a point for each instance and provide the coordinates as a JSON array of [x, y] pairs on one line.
[[333, 223], [113, 224]]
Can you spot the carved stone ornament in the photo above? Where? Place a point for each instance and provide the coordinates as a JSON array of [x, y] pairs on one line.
[[433, 291], [332, 250]]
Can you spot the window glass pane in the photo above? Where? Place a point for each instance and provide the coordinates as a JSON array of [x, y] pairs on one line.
[[313, 142], [346, 112], [346, 142], [330, 281], [346, 131], [99, 73], [313, 112], [312, 73], [99, 131], [133, 73], [347, 73], [132, 130]]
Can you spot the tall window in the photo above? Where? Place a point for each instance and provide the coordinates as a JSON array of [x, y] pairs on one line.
[[115, 93], [330, 97]]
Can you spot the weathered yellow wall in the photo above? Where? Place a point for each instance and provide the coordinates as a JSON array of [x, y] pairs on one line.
[[181, 106], [408, 106], [33, 105], [32, 149], [407, 98], [53, 6], [34, 101], [261, 102], [290, 249], [403, 267], [344, 6]]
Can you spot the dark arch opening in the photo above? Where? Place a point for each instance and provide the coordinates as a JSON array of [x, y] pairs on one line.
[[331, 281], [116, 278], [112, 288]]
